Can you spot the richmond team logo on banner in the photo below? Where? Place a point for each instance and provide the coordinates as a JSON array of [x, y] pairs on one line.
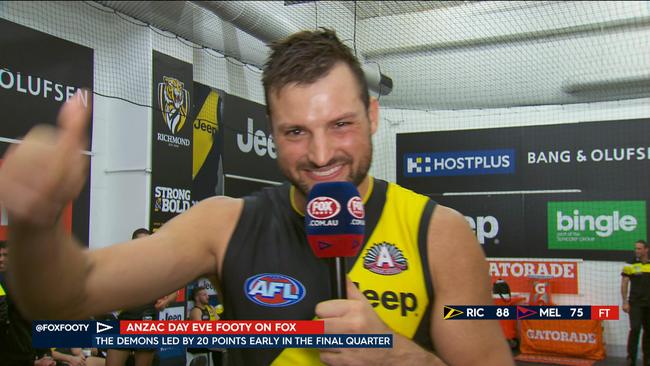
[[274, 290], [173, 100], [385, 259]]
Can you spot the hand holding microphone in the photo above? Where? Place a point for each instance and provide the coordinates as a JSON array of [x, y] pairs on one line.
[[335, 225]]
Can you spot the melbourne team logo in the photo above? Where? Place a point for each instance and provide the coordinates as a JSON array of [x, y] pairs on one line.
[[385, 259], [173, 100], [323, 208], [274, 290]]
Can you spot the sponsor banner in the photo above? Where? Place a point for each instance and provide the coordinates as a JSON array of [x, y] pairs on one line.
[[459, 163], [171, 160], [596, 225], [498, 223], [248, 147], [609, 156], [516, 226], [591, 174], [172, 313], [574, 338], [38, 73], [207, 179], [519, 274]]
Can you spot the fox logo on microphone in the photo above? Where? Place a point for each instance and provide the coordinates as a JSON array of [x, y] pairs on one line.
[[274, 290], [323, 208]]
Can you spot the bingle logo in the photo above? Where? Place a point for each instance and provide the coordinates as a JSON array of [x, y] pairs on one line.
[[483, 162], [256, 140], [355, 207], [606, 225], [323, 208], [274, 290]]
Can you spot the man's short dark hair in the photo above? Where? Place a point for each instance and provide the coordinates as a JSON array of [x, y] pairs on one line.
[[304, 58], [140, 231], [196, 291], [3, 244], [645, 244]]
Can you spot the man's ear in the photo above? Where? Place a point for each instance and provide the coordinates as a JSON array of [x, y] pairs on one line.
[[373, 114]]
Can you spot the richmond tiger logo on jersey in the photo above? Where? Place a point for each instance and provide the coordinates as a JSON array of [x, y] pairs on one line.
[[385, 259]]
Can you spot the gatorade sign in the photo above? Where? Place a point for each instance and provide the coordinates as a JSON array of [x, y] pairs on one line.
[[564, 273], [599, 225]]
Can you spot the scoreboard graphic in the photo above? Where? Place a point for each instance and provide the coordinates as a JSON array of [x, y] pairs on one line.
[[515, 312]]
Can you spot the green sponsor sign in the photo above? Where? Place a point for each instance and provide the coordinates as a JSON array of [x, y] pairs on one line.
[[600, 225]]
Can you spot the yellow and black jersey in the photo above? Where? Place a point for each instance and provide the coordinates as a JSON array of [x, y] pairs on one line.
[[208, 312], [270, 271], [639, 275]]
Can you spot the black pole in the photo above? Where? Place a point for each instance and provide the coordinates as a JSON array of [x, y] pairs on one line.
[[337, 278]]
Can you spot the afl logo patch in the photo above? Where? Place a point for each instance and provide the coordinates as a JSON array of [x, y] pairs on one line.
[[274, 290], [355, 207], [323, 208], [385, 259]]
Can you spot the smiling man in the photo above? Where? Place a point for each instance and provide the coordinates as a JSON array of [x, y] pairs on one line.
[[418, 256]]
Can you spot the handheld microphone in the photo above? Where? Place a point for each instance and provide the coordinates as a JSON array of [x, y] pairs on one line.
[[335, 225]]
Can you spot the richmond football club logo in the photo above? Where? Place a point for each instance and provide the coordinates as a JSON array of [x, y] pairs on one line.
[[385, 259], [173, 100]]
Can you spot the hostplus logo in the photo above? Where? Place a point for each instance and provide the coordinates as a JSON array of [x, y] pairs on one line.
[[451, 163], [605, 225]]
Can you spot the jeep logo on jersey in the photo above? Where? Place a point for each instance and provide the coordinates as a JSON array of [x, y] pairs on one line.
[[322, 208], [385, 259], [274, 290], [355, 207]]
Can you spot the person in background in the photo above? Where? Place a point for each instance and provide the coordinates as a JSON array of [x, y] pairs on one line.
[[636, 302], [15, 331], [202, 310], [149, 311]]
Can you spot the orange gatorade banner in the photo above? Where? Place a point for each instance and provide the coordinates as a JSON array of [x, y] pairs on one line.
[[518, 273], [574, 338]]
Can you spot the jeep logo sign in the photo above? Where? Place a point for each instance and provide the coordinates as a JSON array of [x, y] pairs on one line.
[[485, 227]]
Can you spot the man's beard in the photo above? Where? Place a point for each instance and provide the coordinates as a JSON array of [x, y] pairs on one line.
[[356, 176]]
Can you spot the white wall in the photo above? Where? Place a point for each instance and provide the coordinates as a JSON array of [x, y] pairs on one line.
[[599, 282]]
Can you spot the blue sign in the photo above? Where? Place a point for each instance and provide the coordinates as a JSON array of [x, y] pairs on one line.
[[481, 162]]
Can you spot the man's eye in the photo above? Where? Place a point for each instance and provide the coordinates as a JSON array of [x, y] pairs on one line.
[[294, 132], [341, 124]]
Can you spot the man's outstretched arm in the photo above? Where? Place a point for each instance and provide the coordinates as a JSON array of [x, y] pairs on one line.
[[51, 275]]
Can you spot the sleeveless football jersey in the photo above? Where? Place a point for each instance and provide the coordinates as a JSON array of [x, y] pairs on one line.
[[271, 273]]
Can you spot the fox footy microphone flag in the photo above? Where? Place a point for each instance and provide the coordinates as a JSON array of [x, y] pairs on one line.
[[335, 225]]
